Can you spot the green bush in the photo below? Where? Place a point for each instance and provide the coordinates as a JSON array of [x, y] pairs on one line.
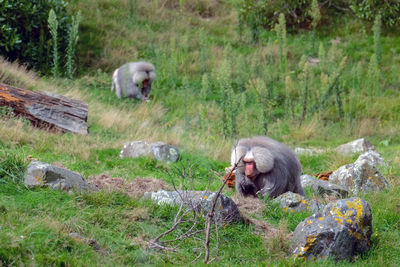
[[24, 34], [369, 9], [265, 13]]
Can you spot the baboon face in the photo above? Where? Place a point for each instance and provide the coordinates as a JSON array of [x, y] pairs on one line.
[[146, 88]]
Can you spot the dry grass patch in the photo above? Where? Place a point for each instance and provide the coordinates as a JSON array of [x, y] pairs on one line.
[[17, 75], [279, 244], [304, 132], [251, 210], [136, 188], [367, 127], [14, 132], [137, 214]]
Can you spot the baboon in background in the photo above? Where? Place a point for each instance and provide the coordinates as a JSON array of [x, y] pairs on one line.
[[133, 79], [265, 167]]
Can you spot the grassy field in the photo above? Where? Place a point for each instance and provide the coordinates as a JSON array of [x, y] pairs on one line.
[[213, 85]]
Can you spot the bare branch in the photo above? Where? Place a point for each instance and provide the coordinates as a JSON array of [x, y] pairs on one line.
[[211, 213], [173, 227], [198, 257]]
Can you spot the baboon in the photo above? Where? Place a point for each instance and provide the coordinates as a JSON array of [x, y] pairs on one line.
[[265, 167], [133, 79]]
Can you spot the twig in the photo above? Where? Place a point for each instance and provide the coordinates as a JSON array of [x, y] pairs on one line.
[[211, 213], [174, 226], [198, 257]]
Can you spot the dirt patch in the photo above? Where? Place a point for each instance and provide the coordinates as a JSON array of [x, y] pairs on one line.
[[135, 188], [249, 205], [252, 208]]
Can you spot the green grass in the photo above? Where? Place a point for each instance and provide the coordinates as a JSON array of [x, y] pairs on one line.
[[35, 223]]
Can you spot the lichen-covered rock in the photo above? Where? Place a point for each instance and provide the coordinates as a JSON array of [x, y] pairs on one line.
[[361, 176], [323, 187], [164, 152], [357, 146], [292, 202], [44, 174], [373, 157], [158, 150], [341, 231], [226, 210]]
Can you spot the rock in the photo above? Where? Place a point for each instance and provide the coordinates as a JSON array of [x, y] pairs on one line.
[[361, 176], [373, 157], [356, 146], [165, 152], [292, 202], [158, 150], [341, 231], [43, 174], [226, 210], [305, 151], [323, 187]]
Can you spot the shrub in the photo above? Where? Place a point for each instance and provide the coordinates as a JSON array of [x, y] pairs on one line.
[[265, 13], [369, 9], [24, 34]]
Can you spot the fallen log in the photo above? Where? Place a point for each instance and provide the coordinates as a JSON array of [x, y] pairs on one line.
[[45, 109]]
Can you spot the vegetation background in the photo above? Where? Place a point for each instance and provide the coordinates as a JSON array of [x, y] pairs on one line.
[[317, 76]]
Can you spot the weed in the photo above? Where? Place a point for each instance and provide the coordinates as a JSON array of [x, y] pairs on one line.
[[53, 26], [73, 36]]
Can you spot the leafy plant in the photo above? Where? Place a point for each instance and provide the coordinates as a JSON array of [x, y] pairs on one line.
[[369, 9], [258, 14], [53, 27], [72, 41], [24, 35]]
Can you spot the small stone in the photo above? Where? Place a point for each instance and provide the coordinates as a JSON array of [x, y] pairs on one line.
[[158, 150], [44, 174]]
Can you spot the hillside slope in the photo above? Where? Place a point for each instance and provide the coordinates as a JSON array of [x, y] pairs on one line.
[[213, 85]]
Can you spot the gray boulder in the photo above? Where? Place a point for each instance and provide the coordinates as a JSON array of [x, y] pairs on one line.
[[226, 210], [157, 150], [341, 231], [44, 174], [357, 146], [292, 202], [373, 157], [323, 187], [361, 176]]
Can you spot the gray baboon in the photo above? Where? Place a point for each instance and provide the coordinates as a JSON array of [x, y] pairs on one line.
[[265, 167], [133, 79]]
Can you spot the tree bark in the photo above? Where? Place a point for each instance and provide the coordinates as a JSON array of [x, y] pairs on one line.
[[45, 109]]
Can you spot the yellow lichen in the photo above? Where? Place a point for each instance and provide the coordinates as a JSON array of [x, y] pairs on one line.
[[339, 220]]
